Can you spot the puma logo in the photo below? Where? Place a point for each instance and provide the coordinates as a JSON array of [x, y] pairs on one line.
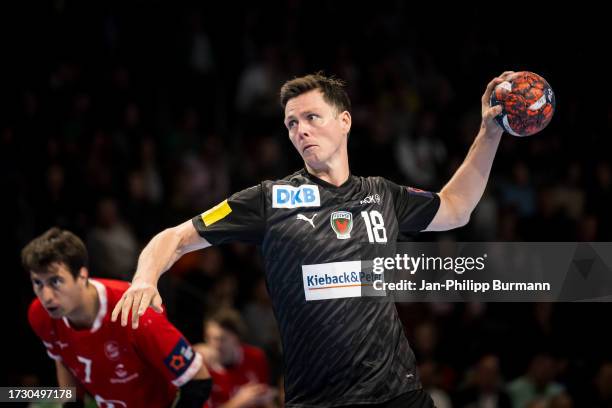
[[308, 220]]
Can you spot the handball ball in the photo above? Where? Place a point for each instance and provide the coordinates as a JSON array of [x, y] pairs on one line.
[[528, 103]]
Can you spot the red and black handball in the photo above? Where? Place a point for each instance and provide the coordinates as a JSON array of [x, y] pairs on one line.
[[528, 103]]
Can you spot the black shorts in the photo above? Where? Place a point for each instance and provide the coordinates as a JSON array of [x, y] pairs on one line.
[[411, 399]]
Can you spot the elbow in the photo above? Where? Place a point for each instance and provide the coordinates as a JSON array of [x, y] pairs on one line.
[[462, 215], [462, 220], [169, 237], [176, 236], [457, 211]]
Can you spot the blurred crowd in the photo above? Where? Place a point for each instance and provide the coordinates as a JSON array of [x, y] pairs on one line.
[[118, 123]]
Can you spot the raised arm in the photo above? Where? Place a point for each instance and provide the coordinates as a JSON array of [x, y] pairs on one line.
[[462, 193]]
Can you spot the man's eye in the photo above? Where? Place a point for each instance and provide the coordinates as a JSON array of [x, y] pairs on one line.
[[312, 116], [37, 283], [56, 282]]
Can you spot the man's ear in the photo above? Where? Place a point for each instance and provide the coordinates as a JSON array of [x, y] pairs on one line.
[[83, 273], [346, 121]]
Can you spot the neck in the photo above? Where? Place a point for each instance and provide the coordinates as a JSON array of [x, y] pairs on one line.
[[84, 317], [333, 173]]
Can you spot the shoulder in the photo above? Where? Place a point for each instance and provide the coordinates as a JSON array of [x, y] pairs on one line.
[[378, 185], [114, 285], [372, 180], [114, 289]]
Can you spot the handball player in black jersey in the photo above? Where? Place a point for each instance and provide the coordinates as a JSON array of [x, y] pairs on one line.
[[315, 227]]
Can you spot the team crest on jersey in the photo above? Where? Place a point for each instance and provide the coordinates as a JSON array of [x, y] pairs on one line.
[[342, 223], [284, 196], [111, 350], [180, 357]]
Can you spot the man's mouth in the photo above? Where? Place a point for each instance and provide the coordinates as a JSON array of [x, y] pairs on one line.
[[52, 309], [308, 146]]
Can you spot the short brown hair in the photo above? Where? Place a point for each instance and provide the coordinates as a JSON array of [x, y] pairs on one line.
[[55, 246], [331, 88], [229, 319]]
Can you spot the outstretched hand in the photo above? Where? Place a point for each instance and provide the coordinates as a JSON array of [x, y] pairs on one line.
[[137, 299]]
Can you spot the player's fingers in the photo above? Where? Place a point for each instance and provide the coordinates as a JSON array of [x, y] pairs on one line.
[[125, 309], [490, 86], [144, 303], [493, 112], [494, 82], [157, 303], [117, 309], [135, 306]]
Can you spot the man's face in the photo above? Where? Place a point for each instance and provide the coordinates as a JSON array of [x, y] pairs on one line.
[[223, 341], [58, 291], [316, 129]]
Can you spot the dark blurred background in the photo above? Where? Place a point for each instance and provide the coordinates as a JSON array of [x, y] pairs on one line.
[[119, 120]]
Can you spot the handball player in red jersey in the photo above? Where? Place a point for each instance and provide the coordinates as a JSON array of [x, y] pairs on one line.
[[119, 368]]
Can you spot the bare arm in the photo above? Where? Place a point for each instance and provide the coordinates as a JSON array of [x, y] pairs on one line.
[[65, 379], [156, 258], [64, 376], [462, 193]]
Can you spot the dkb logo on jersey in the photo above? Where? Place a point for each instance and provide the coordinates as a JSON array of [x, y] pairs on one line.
[[306, 195], [342, 223]]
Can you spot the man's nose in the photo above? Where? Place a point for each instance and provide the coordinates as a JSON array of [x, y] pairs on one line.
[[46, 294], [303, 130]]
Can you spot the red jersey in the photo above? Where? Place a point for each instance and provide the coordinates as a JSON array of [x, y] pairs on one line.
[[119, 366], [252, 368]]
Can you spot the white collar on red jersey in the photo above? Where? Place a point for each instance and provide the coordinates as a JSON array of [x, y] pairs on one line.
[[101, 289]]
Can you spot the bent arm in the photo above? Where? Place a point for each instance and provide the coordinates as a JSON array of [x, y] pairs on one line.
[[156, 258], [165, 249], [462, 193]]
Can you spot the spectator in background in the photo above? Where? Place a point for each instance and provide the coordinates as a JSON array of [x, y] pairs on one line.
[[239, 371], [484, 386], [428, 371], [537, 384], [601, 397], [56, 206], [520, 192], [113, 247], [259, 318], [562, 400], [262, 328], [600, 200]]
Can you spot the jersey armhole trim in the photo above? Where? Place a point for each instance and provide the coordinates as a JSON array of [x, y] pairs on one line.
[[54, 356], [195, 366]]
